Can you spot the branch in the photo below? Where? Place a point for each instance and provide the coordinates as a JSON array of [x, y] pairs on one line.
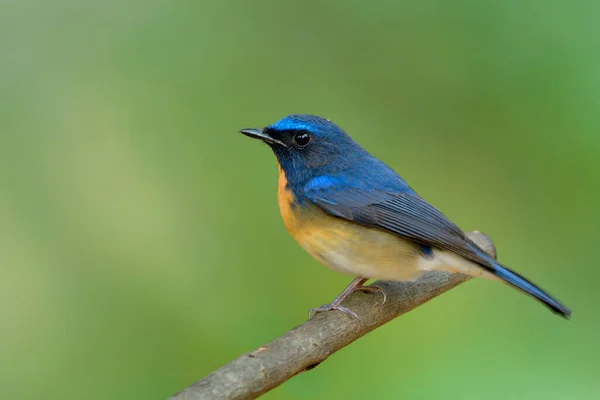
[[309, 344]]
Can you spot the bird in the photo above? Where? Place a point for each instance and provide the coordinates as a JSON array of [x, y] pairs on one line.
[[354, 214]]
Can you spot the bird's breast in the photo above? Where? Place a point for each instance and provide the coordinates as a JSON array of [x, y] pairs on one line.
[[344, 246]]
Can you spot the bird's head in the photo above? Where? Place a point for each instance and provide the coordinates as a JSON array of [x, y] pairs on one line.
[[307, 146]]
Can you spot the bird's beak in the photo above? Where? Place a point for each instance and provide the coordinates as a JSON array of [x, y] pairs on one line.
[[260, 134]]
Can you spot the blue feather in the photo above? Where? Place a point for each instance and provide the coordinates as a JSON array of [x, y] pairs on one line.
[[304, 122], [522, 283]]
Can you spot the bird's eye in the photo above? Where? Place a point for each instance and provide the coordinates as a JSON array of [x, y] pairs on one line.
[[301, 139]]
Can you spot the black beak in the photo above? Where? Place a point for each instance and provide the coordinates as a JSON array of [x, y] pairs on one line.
[[260, 134]]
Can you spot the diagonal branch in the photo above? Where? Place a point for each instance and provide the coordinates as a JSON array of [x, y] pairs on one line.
[[309, 344]]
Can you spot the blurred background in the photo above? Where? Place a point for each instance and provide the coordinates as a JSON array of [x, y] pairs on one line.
[[140, 242]]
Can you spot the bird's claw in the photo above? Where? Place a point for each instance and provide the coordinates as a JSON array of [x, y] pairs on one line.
[[357, 284], [374, 289], [336, 303], [330, 307]]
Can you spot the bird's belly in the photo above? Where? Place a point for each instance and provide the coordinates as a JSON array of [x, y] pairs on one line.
[[350, 248], [363, 252]]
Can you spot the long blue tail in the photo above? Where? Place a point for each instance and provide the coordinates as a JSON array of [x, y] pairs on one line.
[[525, 285]]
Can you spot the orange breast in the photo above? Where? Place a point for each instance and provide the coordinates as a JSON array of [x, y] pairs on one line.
[[287, 204]]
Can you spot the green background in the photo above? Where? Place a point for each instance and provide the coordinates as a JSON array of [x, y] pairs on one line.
[[140, 242]]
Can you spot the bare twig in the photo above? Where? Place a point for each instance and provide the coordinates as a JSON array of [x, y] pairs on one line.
[[309, 344]]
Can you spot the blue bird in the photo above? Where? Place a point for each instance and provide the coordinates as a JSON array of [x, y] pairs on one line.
[[354, 214]]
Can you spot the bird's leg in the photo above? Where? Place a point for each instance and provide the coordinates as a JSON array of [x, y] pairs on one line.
[[356, 284]]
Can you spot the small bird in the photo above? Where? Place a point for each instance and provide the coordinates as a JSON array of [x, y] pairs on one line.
[[355, 215]]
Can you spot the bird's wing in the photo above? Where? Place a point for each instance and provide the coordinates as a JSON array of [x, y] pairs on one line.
[[402, 213], [398, 209]]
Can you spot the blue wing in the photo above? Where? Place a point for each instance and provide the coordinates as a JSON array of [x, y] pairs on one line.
[[399, 210]]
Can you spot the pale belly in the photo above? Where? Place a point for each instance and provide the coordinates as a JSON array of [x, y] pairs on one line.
[[349, 248], [357, 251]]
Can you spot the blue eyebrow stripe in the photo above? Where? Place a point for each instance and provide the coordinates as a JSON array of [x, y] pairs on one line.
[[303, 122], [287, 125]]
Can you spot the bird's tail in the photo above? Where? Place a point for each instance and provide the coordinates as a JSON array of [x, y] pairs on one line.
[[525, 285]]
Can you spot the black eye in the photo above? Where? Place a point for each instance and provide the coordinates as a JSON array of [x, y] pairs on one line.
[[302, 139]]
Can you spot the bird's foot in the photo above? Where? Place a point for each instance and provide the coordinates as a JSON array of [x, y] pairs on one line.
[[357, 284], [330, 307], [373, 289]]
